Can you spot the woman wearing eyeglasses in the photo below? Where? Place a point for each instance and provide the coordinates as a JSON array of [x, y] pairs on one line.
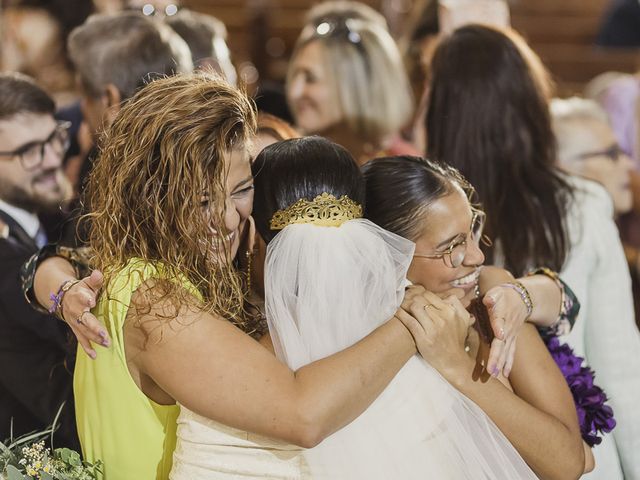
[[429, 204], [587, 146]]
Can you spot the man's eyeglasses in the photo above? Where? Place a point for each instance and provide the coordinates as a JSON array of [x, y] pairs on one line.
[[453, 255], [613, 153], [31, 155]]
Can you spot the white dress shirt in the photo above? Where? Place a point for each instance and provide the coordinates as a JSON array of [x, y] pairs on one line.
[[27, 220]]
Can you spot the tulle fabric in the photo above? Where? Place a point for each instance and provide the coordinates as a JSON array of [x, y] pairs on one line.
[[328, 287]]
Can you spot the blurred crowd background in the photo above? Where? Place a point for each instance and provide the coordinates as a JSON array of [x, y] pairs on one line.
[[576, 39], [590, 48], [369, 81]]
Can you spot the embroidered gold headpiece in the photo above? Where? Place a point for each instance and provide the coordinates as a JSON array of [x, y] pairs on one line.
[[325, 210]]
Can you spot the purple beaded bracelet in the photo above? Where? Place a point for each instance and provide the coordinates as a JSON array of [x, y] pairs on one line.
[[56, 298]]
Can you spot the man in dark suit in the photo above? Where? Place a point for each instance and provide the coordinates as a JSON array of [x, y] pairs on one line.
[[36, 353]]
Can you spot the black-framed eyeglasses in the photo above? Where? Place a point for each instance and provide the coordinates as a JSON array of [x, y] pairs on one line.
[[453, 255], [31, 155], [613, 153]]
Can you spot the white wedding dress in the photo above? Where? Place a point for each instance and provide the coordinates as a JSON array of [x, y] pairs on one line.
[[209, 450], [326, 288]]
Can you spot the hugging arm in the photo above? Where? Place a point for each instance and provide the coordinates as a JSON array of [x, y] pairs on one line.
[[221, 373], [252, 389], [48, 277], [538, 416]]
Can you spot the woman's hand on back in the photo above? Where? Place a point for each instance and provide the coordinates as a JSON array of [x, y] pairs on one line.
[[76, 306]]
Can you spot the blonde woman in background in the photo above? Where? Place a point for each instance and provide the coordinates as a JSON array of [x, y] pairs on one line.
[[346, 81]]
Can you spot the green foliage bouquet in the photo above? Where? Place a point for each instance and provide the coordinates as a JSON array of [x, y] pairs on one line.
[[27, 458]]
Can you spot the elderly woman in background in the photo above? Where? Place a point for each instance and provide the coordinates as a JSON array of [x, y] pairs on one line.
[[346, 81], [489, 117], [587, 146]]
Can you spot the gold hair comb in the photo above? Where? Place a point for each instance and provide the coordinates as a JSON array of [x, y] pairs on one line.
[[325, 210]]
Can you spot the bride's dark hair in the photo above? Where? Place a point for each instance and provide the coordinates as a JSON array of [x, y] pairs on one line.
[[288, 171]]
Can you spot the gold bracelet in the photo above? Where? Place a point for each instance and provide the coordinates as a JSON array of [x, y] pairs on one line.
[[524, 294]]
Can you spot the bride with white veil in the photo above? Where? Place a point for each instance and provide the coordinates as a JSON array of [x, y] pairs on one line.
[[331, 278]]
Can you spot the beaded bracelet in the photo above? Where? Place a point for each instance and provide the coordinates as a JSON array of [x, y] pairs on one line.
[[57, 298], [524, 294], [78, 257]]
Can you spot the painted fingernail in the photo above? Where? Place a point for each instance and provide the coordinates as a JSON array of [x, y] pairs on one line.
[[93, 355], [507, 371], [103, 334], [105, 343], [495, 371]]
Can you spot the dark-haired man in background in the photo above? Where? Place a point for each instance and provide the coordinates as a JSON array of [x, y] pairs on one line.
[[36, 353]]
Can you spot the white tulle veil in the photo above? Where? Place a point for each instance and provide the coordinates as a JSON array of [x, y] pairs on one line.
[[325, 289]]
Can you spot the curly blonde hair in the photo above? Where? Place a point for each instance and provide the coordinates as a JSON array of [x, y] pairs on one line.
[[163, 153]]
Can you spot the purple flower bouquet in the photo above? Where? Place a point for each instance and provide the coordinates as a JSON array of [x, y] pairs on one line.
[[593, 414]]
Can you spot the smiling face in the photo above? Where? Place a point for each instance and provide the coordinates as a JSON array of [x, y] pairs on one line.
[[238, 201], [41, 187], [446, 222], [309, 91]]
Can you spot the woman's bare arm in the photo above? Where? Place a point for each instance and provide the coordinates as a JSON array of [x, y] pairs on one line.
[[539, 416], [214, 369], [51, 273]]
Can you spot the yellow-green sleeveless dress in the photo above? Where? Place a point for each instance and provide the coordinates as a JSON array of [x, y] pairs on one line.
[[133, 436]]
